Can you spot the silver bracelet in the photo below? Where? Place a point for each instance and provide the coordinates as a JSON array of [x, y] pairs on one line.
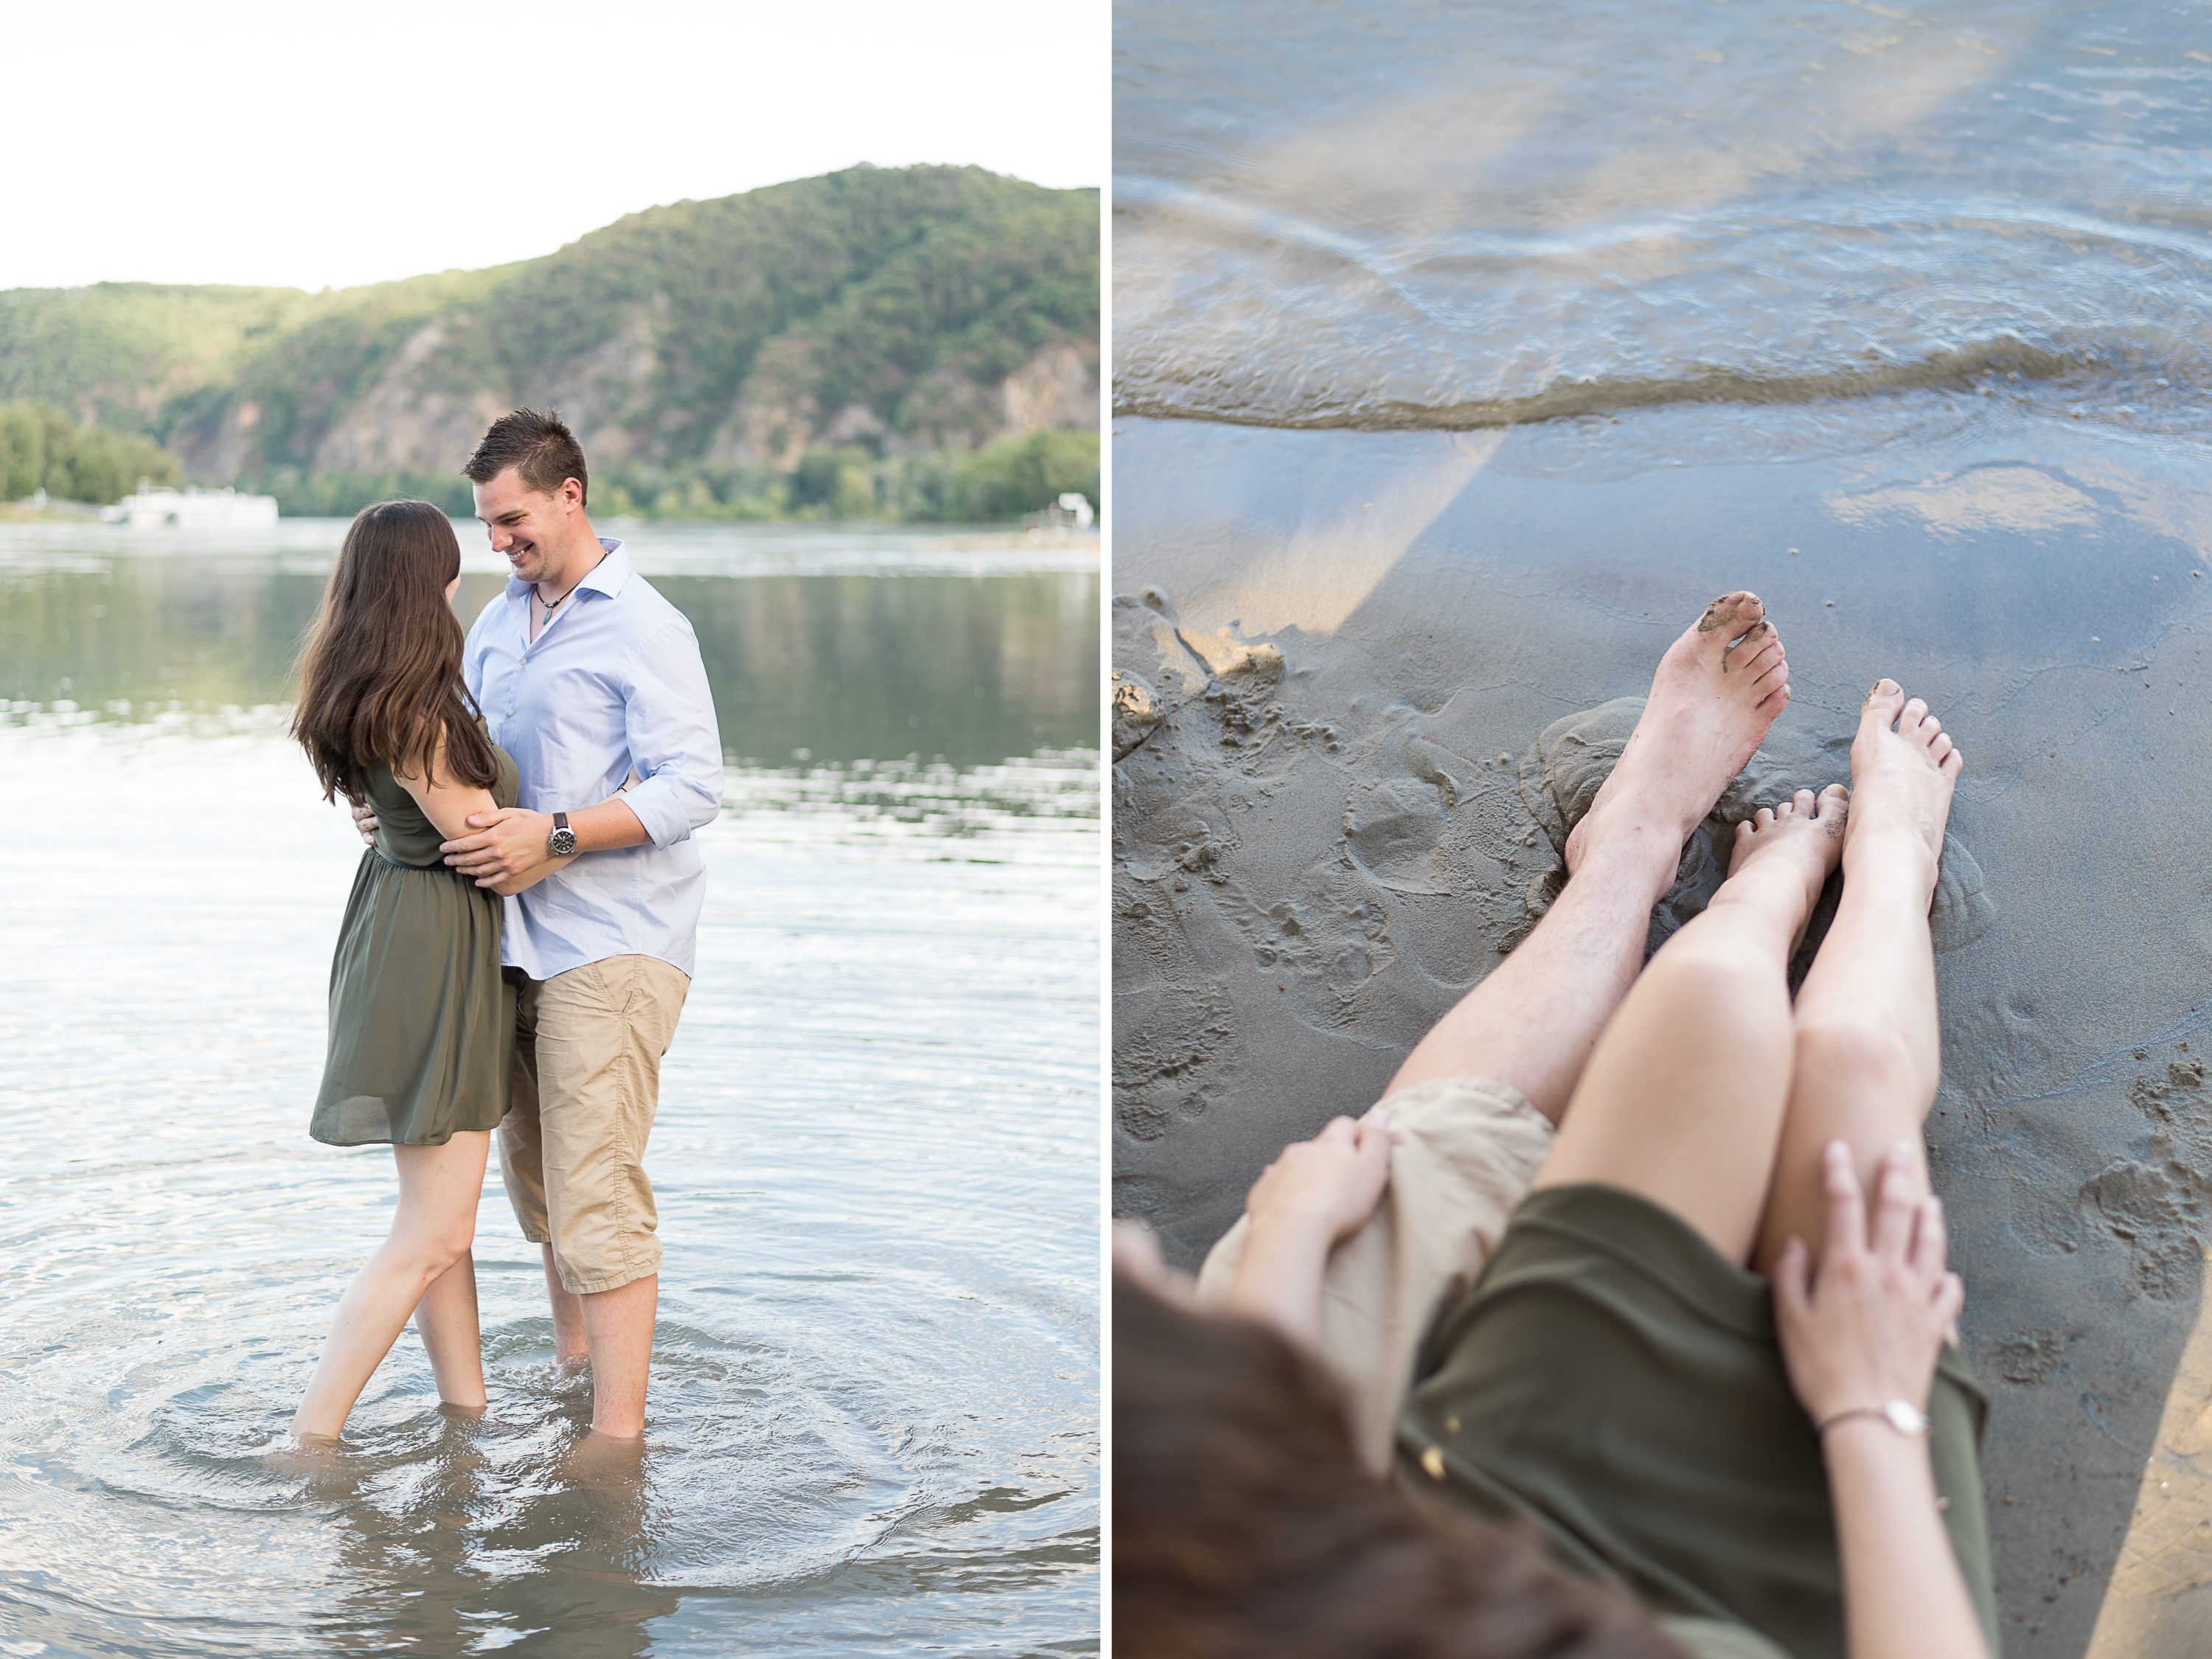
[[1899, 1414]]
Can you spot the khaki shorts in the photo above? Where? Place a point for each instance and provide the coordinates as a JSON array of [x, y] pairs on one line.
[[587, 1049], [1463, 1152]]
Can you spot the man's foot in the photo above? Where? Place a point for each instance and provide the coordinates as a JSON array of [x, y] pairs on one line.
[[1903, 766], [1787, 853], [1717, 689]]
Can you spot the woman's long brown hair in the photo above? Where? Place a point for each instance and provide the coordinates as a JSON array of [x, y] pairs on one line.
[[1245, 1527], [380, 673]]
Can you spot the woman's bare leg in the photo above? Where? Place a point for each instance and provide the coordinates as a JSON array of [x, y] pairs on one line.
[[446, 1319], [431, 1232], [1531, 1022], [1682, 1101], [1868, 1051]]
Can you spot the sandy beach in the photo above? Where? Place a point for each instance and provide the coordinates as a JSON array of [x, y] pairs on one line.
[[1458, 367], [1366, 682]]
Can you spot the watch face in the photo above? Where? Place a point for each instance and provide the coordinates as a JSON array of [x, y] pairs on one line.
[[563, 843]]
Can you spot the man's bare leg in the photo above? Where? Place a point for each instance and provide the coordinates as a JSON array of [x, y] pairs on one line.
[[618, 1326], [612, 1329], [1531, 1022], [1682, 1100], [568, 1343], [1868, 1050]]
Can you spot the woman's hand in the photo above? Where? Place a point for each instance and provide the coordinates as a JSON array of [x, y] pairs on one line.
[[1314, 1193], [1327, 1185], [1866, 1328], [364, 819]]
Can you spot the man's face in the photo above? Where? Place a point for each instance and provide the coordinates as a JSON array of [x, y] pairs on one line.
[[530, 527]]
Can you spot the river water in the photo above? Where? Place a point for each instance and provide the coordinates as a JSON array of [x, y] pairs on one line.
[[1463, 353], [1417, 214], [874, 1414]]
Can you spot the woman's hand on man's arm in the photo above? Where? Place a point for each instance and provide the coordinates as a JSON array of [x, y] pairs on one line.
[[1316, 1193], [1863, 1332]]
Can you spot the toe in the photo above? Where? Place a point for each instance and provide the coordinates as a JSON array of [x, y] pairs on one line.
[[1765, 667], [1730, 616], [1915, 712], [1835, 798], [1941, 747], [1883, 702], [1751, 653], [1763, 818], [1802, 803], [1950, 763]]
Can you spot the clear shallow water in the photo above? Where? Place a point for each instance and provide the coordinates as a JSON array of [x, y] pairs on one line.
[[1417, 213], [874, 1410]]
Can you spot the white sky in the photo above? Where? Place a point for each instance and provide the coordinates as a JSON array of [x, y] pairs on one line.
[[314, 145]]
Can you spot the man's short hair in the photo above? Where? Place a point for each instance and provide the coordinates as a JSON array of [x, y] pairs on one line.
[[538, 447]]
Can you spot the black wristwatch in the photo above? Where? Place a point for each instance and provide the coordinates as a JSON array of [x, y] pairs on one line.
[[563, 841]]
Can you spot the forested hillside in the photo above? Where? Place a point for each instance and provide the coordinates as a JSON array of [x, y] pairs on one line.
[[910, 342]]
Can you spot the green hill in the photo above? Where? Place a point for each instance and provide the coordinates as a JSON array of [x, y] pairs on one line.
[[911, 341]]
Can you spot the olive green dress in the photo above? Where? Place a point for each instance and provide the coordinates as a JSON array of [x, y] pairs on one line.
[[421, 1037], [1615, 1379]]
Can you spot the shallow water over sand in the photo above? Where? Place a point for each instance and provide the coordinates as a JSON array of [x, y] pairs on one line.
[[874, 1410], [1518, 336], [1411, 213]]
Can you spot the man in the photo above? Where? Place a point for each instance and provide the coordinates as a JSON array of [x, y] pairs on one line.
[[592, 681]]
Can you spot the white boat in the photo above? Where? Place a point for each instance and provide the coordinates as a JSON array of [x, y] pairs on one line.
[[220, 508]]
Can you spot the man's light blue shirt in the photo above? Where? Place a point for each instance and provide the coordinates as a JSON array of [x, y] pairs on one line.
[[611, 685]]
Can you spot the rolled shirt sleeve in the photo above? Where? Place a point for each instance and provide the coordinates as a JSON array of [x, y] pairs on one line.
[[675, 745]]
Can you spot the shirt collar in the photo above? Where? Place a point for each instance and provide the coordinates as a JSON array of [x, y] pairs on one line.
[[608, 576]]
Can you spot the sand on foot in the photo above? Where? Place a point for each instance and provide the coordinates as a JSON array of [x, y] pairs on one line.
[[1716, 690]]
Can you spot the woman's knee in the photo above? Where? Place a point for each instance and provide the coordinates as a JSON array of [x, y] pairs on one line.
[[431, 1247], [1725, 989], [1856, 1052]]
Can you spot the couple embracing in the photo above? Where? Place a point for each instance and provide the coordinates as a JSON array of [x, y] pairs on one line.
[[559, 757]]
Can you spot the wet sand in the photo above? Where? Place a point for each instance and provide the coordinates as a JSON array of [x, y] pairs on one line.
[[1365, 682]]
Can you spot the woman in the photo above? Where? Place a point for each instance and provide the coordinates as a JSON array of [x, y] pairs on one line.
[[1710, 1361], [421, 1024]]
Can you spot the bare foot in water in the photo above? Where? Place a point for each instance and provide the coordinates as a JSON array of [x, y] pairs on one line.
[[1903, 766], [1785, 853], [1717, 689]]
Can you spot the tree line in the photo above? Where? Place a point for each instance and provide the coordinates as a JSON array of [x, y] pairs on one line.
[[41, 449], [1004, 482]]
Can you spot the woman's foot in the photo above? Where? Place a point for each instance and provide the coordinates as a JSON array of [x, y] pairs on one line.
[[1716, 690], [1903, 766], [1786, 853]]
